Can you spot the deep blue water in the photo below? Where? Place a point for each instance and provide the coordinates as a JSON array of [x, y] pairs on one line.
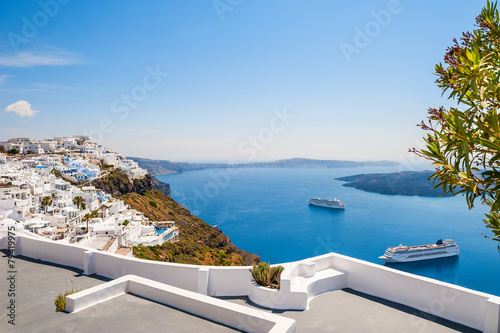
[[265, 211]]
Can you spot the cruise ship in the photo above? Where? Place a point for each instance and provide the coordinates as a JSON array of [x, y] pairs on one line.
[[329, 203], [446, 248]]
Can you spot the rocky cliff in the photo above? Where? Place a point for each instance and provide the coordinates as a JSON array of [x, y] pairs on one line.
[[397, 183], [199, 243], [117, 183]]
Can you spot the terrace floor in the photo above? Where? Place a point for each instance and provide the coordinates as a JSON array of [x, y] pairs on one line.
[[350, 311], [38, 282]]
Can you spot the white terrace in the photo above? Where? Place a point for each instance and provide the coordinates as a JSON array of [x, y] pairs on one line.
[[302, 281]]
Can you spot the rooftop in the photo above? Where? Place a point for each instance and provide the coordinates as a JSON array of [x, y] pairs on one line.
[[97, 243], [348, 310], [338, 311], [35, 310]]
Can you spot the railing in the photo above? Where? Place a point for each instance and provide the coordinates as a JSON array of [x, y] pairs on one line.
[[471, 308]]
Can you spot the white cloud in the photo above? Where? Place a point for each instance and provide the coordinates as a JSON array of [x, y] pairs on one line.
[[27, 59], [4, 78], [22, 109], [52, 86]]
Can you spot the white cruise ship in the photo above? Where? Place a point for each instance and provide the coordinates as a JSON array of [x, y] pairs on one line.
[[446, 248], [329, 203]]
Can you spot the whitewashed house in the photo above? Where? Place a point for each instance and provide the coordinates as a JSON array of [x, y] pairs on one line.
[[51, 161], [72, 214], [132, 169], [69, 143], [33, 148], [24, 141], [56, 220], [48, 145], [89, 196]]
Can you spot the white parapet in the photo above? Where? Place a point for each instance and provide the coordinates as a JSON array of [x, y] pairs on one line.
[[230, 314], [301, 281], [98, 294], [461, 305]]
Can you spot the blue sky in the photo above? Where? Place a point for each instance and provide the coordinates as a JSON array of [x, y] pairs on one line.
[[227, 80]]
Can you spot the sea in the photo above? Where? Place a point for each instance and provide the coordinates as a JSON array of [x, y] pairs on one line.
[[265, 211]]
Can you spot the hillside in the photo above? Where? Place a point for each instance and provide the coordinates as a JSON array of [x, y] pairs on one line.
[[161, 167], [199, 243], [311, 163], [397, 183]]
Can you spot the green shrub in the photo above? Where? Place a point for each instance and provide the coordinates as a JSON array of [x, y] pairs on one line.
[[267, 276], [153, 204], [222, 254], [13, 151], [276, 276], [125, 223], [60, 300]]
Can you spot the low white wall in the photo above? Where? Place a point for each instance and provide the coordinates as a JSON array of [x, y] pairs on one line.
[[300, 282], [229, 281], [461, 305], [277, 299], [114, 266], [89, 297], [325, 281], [492, 315], [55, 252], [230, 314], [468, 307], [322, 262], [114, 246]]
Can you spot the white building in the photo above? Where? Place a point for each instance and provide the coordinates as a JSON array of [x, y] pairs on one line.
[[26, 182], [24, 141], [12, 197], [132, 169], [48, 145], [11, 145], [71, 214], [89, 196], [69, 143], [110, 159], [52, 161], [33, 148]]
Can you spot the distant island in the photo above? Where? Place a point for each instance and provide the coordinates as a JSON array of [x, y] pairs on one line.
[[162, 167], [396, 183]]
